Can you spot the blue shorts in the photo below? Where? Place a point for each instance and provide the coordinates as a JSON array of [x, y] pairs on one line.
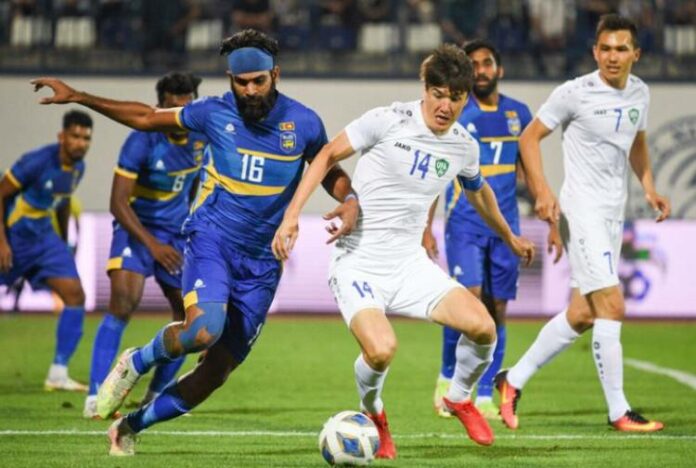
[[127, 253], [38, 258], [214, 271], [484, 261]]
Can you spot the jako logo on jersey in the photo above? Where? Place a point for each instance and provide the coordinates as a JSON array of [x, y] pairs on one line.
[[127, 252], [49, 185], [471, 128], [287, 126], [441, 166], [229, 128], [159, 165], [198, 284], [402, 146], [287, 141], [633, 115]]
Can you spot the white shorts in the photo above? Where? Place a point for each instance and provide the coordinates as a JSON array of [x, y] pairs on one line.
[[593, 244], [410, 286]]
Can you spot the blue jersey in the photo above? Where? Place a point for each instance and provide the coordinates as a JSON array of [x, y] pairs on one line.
[[164, 171], [44, 184], [252, 169], [497, 131]]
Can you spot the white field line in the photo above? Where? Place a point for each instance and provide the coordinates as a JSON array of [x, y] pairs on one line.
[[425, 435], [680, 376]]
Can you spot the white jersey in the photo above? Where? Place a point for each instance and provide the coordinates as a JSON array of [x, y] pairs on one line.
[[404, 166], [599, 124]]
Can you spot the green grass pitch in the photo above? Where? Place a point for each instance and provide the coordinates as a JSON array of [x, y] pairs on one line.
[[301, 371]]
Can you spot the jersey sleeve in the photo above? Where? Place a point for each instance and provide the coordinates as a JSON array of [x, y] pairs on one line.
[[525, 116], [316, 139], [25, 170], [368, 129], [134, 154], [470, 175], [559, 107], [643, 125], [194, 115]]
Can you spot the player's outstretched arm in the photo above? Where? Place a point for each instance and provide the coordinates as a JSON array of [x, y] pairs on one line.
[[336, 150], [136, 115], [546, 205], [640, 163], [485, 203]]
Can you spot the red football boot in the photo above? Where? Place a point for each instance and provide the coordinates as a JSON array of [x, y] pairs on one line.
[[475, 424], [634, 422], [509, 397], [386, 449]]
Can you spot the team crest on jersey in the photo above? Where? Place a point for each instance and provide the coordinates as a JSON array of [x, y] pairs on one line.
[[288, 141], [198, 144], [441, 166], [287, 126], [633, 115], [513, 123]]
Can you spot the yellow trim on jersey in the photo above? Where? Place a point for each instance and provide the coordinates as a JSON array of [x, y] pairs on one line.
[[191, 298], [486, 108], [13, 179], [22, 209], [115, 263], [178, 142], [188, 170], [143, 192], [277, 157], [489, 170], [125, 173], [500, 138], [177, 116], [241, 188], [205, 190]]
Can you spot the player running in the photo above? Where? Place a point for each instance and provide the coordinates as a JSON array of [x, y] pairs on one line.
[[476, 256], [39, 183], [604, 116], [150, 197], [410, 152], [259, 141]]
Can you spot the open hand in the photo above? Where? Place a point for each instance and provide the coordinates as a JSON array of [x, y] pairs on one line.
[[285, 238], [347, 212], [62, 93], [554, 243], [523, 248], [168, 257], [660, 204]]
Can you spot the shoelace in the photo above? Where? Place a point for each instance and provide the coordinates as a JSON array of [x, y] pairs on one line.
[[635, 417]]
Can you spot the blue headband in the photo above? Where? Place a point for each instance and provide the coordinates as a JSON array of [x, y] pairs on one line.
[[249, 59]]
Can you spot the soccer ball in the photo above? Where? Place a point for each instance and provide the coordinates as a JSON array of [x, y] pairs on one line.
[[349, 438]]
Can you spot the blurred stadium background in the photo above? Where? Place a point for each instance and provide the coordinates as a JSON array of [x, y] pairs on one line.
[[342, 57]]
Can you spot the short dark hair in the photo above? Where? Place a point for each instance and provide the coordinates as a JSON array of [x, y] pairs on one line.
[[250, 38], [76, 117], [614, 22], [177, 83], [448, 66], [476, 44]]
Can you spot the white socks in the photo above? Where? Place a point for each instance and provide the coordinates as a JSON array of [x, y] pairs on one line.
[[608, 356], [472, 361], [553, 338], [57, 372], [370, 383]]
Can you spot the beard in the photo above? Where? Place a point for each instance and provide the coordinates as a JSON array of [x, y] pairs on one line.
[[485, 90], [256, 108]]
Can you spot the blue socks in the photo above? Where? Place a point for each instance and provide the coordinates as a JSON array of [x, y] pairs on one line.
[[485, 385], [450, 338], [150, 354], [68, 333], [106, 345], [168, 405], [165, 373]]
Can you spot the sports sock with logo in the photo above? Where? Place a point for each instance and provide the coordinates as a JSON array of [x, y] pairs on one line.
[[608, 357]]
